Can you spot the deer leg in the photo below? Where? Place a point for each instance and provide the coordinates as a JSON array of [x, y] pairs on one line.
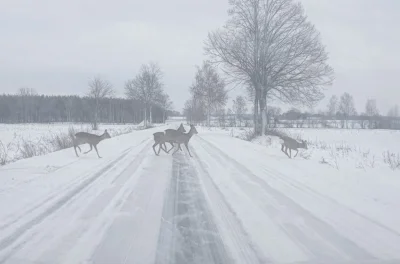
[[179, 145], [284, 150], [95, 147], [76, 151], [296, 153], [91, 147], [163, 147], [290, 151], [172, 146], [287, 152], [187, 147], [154, 148], [79, 148]]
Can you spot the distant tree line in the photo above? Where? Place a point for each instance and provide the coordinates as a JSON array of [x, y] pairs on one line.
[[146, 101], [29, 107]]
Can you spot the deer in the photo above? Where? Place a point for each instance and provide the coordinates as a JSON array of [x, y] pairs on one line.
[[160, 139], [91, 139], [182, 138], [290, 143], [170, 133]]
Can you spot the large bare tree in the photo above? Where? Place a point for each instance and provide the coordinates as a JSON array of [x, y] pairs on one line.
[[209, 88], [99, 89], [271, 47], [146, 87]]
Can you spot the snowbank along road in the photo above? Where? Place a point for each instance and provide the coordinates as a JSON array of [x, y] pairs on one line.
[[230, 203]]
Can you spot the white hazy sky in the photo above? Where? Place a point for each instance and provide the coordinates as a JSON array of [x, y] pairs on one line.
[[57, 46]]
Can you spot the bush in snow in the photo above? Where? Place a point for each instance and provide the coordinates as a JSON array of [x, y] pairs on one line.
[[392, 159]]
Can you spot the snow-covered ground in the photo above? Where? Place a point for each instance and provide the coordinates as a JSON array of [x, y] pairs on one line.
[[340, 148], [12, 136], [233, 202]]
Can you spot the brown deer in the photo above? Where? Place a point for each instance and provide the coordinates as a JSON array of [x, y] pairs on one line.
[[91, 139], [290, 143], [182, 138], [160, 139], [170, 133]]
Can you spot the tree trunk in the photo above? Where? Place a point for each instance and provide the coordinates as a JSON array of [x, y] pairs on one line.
[[163, 117], [208, 117], [96, 110], [150, 116], [255, 115], [145, 117], [263, 110]]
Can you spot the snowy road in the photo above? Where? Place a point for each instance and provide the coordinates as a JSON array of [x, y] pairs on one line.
[[230, 203]]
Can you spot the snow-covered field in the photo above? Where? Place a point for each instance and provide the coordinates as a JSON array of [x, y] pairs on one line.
[[340, 148], [12, 136], [233, 202]]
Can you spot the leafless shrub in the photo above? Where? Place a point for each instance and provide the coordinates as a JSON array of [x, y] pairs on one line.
[[333, 156], [59, 141], [28, 149], [323, 161], [4, 152], [344, 149], [268, 141], [372, 162], [305, 155], [275, 132], [248, 135], [392, 159]]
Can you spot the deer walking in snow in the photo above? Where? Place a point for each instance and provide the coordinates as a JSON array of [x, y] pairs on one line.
[[290, 143], [91, 139], [182, 138], [160, 138]]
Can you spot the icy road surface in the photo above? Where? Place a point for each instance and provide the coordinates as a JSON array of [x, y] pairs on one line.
[[231, 203]]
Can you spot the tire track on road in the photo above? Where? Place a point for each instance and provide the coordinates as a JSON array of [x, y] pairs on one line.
[[24, 228], [312, 223], [243, 245], [188, 233]]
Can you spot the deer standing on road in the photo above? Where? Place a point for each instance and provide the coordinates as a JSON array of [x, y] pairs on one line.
[[160, 138], [91, 139], [290, 143], [183, 138], [169, 133]]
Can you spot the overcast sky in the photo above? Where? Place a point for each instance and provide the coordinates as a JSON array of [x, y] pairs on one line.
[[57, 46]]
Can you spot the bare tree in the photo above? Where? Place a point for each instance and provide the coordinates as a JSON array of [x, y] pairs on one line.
[[194, 111], [333, 105], [146, 87], [98, 90], [239, 108], [370, 108], [273, 113], [209, 88], [394, 111], [346, 106], [270, 46], [165, 103]]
